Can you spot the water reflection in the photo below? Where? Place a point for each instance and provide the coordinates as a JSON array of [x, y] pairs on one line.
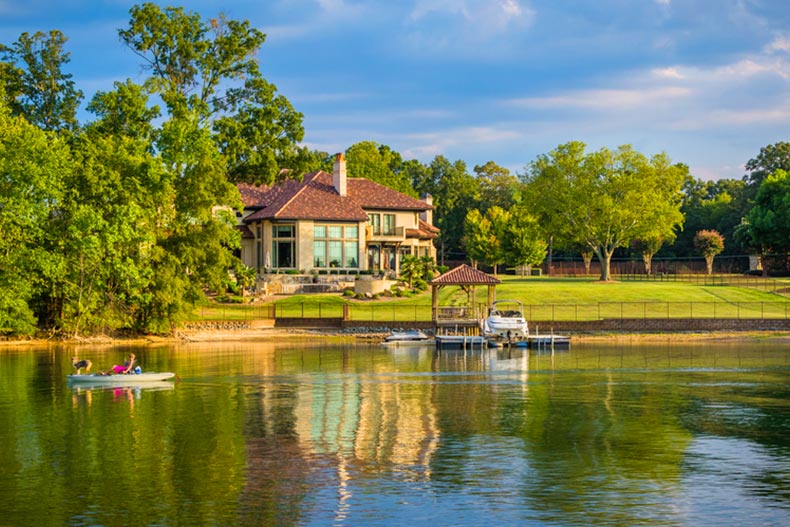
[[345, 434]]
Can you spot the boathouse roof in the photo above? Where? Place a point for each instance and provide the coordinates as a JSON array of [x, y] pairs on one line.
[[465, 275]]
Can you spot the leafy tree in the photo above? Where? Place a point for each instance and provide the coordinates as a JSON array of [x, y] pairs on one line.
[[719, 205], [709, 244], [125, 111], [770, 159], [498, 187], [455, 192], [605, 199], [428, 267], [480, 237], [416, 270], [194, 68], [419, 176], [378, 163], [36, 86], [647, 248], [208, 73], [31, 165], [410, 269], [245, 276], [524, 244], [769, 219], [497, 237]]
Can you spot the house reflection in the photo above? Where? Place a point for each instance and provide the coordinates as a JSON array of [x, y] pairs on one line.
[[370, 423]]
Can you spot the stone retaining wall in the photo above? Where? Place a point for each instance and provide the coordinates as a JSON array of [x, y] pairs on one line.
[[653, 325], [228, 325], [629, 325]]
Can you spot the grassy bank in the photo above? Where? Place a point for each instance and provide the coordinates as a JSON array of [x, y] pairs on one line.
[[544, 298]]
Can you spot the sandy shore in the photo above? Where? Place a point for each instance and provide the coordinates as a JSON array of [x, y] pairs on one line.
[[264, 334]]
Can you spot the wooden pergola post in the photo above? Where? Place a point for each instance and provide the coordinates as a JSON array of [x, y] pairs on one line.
[[466, 278]]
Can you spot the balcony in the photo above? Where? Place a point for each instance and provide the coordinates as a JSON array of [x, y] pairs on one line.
[[394, 234]]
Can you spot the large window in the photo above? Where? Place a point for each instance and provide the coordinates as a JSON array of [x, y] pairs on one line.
[[389, 225], [377, 227], [375, 223], [336, 246], [283, 246]]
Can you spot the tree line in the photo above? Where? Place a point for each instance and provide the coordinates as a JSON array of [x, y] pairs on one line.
[[123, 222]]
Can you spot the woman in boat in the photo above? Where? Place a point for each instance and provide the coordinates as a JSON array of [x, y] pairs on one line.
[[127, 367]]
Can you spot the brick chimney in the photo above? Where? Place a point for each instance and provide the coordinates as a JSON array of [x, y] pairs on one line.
[[339, 174], [427, 216]]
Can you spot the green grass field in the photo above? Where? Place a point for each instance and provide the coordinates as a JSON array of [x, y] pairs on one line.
[[544, 298]]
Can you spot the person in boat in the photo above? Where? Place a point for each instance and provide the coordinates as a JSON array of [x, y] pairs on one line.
[[127, 367]]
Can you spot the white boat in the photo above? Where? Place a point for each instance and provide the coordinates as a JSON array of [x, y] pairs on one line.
[[412, 335], [119, 379], [506, 322]]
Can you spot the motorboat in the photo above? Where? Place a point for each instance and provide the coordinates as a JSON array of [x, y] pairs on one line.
[[506, 322], [411, 335]]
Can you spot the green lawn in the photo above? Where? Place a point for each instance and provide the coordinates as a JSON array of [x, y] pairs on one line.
[[544, 298]]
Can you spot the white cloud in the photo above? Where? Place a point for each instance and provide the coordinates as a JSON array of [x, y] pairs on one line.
[[780, 43], [606, 99], [667, 73], [452, 25]]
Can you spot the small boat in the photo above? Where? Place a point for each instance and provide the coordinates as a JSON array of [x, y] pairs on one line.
[[506, 322], [120, 379], [412, 335]]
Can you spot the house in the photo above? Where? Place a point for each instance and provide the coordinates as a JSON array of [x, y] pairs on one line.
[[333, 222]]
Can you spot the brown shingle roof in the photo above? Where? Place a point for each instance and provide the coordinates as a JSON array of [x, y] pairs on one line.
[[245, 231], [316, 198], [251, 195], [465, 275], [371, 195], [425, 231]]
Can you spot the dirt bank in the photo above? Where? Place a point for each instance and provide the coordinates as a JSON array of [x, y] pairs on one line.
[[263, 334]]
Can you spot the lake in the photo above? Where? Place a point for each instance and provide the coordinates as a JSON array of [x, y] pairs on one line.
[[312, 433]]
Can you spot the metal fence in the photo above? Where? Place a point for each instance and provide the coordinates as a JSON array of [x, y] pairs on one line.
[[392, 312]]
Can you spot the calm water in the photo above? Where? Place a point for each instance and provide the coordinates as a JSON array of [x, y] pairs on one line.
[[304, 434]]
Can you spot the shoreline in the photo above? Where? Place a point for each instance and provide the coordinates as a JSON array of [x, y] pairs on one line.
[[187, 337]]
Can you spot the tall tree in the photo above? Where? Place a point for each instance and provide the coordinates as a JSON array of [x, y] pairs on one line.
[[498, 187], [208, 72], [719, 205], [484, 236], [769, 219], [36, 85], [455, 192], [524, 243], [770, 159], [378, 163], [195, 68], [606, 199], [32, 163]]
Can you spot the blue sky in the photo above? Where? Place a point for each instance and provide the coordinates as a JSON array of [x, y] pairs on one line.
[[706, 81]]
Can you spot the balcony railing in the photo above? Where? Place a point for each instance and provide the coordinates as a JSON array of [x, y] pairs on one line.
[[382, 234]]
